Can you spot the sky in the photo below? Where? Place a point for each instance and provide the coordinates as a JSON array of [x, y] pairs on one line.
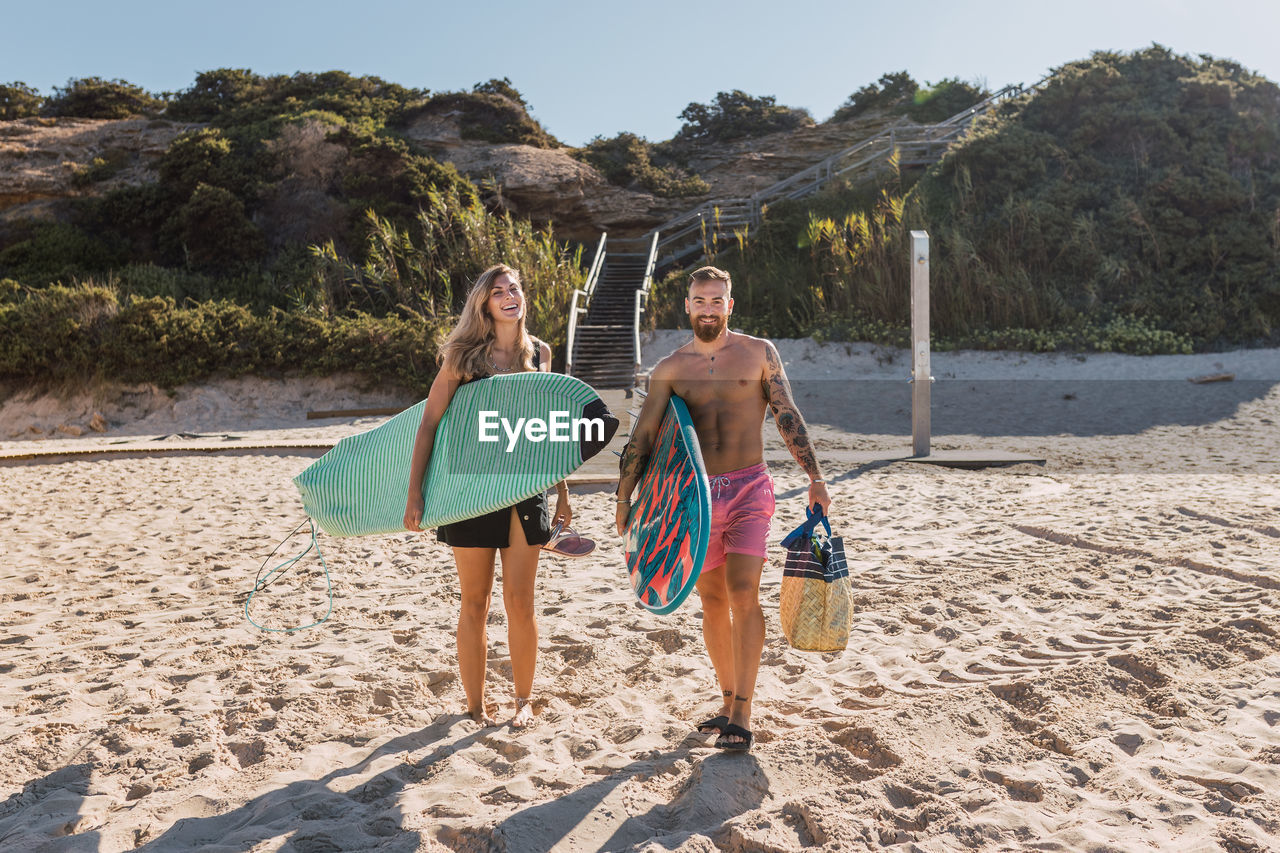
[[601, 67]]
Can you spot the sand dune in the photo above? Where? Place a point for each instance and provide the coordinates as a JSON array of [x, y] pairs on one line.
[[1083, 655]]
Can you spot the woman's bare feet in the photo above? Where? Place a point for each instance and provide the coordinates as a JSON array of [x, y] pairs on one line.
[[524, 713], [481, 716]]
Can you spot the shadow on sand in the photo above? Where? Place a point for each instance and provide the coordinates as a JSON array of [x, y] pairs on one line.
[[609, 814], [46, 814], [314, 815]]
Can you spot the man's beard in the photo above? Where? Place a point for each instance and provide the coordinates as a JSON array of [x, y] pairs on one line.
[[707, 334]]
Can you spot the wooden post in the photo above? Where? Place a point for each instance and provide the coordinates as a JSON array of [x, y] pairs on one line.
[[921, 377]]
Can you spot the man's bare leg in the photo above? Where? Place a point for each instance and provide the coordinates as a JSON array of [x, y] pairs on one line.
[[519, 571], [475, 577], [717, 632], [742, 577]]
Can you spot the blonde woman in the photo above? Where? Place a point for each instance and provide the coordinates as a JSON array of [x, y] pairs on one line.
[[490, 339]]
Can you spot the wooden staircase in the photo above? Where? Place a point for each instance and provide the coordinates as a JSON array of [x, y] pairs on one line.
[[604, 354]]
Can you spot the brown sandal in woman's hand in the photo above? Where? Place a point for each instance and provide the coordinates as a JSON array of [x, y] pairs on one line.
[[565, 542]]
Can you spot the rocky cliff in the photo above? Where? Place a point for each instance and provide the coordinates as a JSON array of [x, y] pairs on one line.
[[46, 162], [551, 185]]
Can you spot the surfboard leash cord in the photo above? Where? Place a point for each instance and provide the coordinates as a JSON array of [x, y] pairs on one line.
[[260, 583]]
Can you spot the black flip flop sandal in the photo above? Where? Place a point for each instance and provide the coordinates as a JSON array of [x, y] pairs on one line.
[[715, 724], [724, 743]]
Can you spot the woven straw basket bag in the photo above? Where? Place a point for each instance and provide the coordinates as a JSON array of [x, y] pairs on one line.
[[815, 607]]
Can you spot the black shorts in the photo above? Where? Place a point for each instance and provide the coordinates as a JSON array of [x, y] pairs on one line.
[[493, 530]]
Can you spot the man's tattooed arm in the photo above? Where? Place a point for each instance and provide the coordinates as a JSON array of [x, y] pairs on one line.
[[631, 467], [777, 391]]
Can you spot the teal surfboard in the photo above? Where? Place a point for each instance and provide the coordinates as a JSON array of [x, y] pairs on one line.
[[670, 524], [358, 488]]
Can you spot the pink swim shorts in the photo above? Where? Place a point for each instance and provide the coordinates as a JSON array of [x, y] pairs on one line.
[[741, 508]]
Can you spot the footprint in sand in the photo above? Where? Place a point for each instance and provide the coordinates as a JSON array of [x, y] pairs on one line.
[[248, 753], [319, 843], [1052, 739], [1025, 790], [1141, 667], [1020, 695], [669, 639], [575, 655], [867, 745]]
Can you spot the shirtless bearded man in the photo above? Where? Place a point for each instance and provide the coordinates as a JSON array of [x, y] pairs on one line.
[[726, 379]]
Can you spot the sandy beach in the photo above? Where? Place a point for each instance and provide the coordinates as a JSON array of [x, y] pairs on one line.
[[1079, 655]]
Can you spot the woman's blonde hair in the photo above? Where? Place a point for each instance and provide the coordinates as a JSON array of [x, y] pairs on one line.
[[468, 351]]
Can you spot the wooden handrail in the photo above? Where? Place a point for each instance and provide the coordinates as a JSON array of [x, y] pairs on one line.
[[642, 300], [593, 275], [596, 264]]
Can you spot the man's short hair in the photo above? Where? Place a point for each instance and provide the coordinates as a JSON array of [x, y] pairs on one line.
[[710, 274]]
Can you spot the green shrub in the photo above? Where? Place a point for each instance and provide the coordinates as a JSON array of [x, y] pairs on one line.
[[54, 333], [259, 289], [153, 340], [384, 173], [488, 114], [235, 161], [41, 252], [18, 100], [160, 222], [199, 157], [89, 331], [403, 350], [940, 101], [1119, 333], [146, 280], [198, 214], [238, 97], [216, 92], [504, 87], [212, 231], [93, 97], [198, 265], [735, 115], [898, 93], [893, 91], [627, 161], [129, 216]]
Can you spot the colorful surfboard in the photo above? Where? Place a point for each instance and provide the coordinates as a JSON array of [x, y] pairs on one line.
[[670, 523], [487, 455]]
